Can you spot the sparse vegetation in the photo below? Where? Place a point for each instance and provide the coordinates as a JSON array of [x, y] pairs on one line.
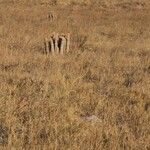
[[96, 96]]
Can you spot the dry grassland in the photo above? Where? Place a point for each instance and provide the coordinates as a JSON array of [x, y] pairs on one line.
[[96, 97]]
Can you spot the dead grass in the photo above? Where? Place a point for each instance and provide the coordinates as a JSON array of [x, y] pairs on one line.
[[96, 97]]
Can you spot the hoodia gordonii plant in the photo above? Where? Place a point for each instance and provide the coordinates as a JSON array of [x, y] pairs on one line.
[[58, 44]]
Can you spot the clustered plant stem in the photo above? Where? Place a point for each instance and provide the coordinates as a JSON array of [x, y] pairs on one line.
[[57, 44]]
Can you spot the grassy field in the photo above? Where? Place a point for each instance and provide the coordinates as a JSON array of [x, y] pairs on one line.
[[96, 97]]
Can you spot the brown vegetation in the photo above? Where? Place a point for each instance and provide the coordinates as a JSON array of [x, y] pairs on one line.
[[96, 97]]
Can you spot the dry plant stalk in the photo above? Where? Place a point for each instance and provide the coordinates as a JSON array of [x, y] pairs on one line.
[[57, 44], [46, 45], [56, 38], [68, 42]]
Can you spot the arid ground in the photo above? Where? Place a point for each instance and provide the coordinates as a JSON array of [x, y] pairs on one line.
[[96, 97]]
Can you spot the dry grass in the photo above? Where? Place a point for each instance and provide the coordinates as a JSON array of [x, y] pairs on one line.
[[93, 98]]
